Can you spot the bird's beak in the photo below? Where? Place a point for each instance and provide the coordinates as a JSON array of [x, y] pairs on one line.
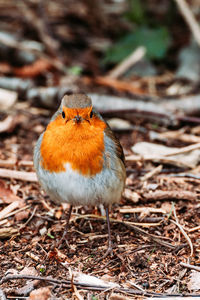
[[77, 119]]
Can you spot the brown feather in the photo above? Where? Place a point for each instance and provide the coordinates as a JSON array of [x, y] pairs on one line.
[[119, 150]]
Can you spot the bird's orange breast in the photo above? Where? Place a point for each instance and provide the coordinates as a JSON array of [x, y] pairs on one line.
[[80, 145]]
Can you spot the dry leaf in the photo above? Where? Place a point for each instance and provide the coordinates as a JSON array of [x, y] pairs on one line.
[[7, 99], [116, 123], [6, 195], [167, 207], [93, 280], [163, 154], [194, 282], [43, 293], [22, 215], [118, 297], [10, 123]]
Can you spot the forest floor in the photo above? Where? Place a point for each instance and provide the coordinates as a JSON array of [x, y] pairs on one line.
[[48, 48]]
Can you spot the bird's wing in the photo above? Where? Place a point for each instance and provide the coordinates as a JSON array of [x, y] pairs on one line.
[[112, 142]]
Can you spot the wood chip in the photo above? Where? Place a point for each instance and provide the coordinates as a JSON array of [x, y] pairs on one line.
[[20, 175], [8, 209], [7, 232], [130, 195]]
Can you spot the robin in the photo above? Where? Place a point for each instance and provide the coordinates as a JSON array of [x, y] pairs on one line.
[[78, 159]]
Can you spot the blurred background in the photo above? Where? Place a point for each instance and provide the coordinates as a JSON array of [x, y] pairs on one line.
[[77, 45]]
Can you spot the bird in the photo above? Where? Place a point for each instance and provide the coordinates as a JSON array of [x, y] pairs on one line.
[[79, 161]]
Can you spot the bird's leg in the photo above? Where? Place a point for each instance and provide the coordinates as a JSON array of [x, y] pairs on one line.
[[64, 236], [109, 249]]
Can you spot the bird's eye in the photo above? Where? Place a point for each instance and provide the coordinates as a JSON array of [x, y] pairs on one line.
[[91, 114], [63, 114]]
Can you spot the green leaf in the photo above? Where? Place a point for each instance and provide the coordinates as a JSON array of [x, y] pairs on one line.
[[136, 12], [42, 270], [50, 235], [155, 40], [75, 70]]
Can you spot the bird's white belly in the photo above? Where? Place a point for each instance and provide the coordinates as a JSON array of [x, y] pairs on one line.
[[105, 187]]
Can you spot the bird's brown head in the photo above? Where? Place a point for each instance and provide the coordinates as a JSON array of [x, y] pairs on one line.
[[76, 108]]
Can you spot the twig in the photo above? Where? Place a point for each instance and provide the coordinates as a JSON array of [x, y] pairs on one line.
[[190, 19], [153, 172], [117, 221], [187, 119], [194, 229], [183, 231], [12, 206], [16, 211], [146, 210], [30, 218], [184, 149], [119, 85], [135, 228], [190, 266], [178, 135], [20, 175], [136, 286], [162, 195], [12, 277], [127, 63]]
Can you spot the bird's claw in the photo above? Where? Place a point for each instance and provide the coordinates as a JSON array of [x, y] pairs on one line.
[[109, 251]]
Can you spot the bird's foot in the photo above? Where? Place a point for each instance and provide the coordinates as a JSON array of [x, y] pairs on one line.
[[62, 242], [109, 252]]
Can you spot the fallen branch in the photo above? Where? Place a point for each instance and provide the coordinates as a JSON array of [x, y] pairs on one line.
[[167, 111], [67, 283], [19, 175]]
